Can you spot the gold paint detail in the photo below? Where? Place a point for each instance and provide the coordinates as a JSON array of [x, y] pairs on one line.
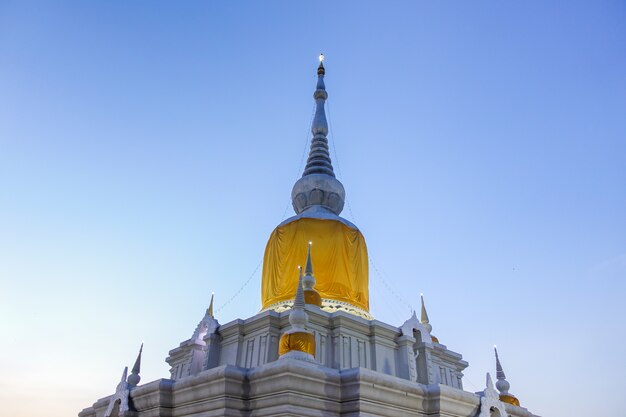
[[301, 341], [509, 399], [434, 339], [312, 297], [341, 262]]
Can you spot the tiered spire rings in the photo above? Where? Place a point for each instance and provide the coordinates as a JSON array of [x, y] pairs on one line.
[[318, 186], [209, 310], [298, 343], [310, 295]]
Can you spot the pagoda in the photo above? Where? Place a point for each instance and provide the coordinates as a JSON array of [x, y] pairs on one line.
[[313, 349]]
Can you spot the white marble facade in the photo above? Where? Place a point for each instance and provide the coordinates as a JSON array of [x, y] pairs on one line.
[[363, 368], [343, 341]]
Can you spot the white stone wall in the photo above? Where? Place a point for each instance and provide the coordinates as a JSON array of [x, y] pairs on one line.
[[290, 387], [343, 341]]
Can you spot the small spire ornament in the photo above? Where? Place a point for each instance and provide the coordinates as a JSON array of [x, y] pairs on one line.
[[134, 378], [424, 320], [502, 384], [308, 282], [297, 342]]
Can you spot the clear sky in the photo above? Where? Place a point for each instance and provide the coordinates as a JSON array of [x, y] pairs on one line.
[[148, 149]]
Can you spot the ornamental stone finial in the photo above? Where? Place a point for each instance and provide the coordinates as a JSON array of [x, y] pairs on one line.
[[134, 377], [502, 384], [318, 185]]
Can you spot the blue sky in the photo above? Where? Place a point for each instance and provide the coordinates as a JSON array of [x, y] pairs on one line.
[[148, 149]]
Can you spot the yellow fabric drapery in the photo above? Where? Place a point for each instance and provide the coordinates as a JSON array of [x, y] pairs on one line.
[[339, 255], [312, 297], [302, 341]]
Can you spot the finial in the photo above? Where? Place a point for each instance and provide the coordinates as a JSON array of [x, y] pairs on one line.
[[489, 382], [311, 296], [424, 320], [208, 324], [424, 316], [298, 317], [124, 376], [210, 309], [499, 371], [308, 270], [318, 185], [299, 301], [320, 69], [319, 158], [297, 342], [502, 384], [134, 377]]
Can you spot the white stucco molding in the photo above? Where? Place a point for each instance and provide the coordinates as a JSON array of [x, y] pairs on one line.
[[122, 391], [413, 324], [490, 404]]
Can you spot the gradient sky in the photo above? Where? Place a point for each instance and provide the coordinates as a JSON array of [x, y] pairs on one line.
[[148, 149]]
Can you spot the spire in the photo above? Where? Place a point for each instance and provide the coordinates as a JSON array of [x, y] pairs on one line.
[[297, 342], [308, 269], [318, 185], [311, 296], [299, 301], [319, 157], [134, 377], [499, 371], [209, 310], [502, 384], [424, 320], [424, 315], [298, 317]]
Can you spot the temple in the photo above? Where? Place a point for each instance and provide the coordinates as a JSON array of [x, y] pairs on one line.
[[314, 348]]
